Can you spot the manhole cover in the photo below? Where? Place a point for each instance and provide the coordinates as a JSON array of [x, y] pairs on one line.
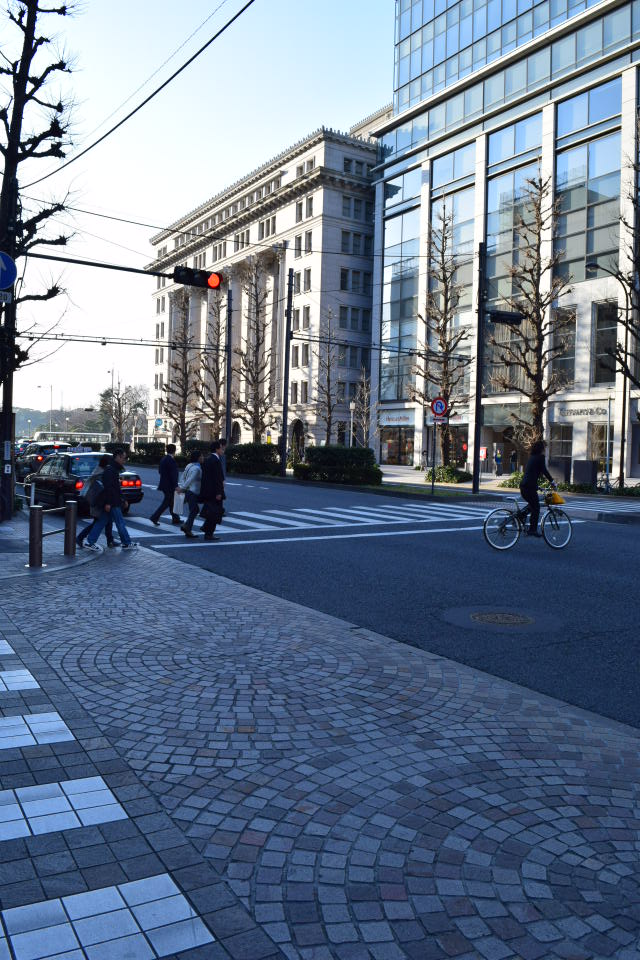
[[504, 619]]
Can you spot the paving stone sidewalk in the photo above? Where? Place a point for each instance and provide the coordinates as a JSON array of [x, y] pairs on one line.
[[313, 790]]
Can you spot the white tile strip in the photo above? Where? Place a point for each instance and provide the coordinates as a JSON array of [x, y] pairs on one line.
[[62, 805], [17, 680], [25, 730], [143, 919], [5, 651]]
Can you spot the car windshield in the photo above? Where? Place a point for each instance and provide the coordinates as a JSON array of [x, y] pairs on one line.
[[83, 466]]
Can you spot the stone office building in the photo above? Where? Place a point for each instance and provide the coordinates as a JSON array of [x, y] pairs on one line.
[[313, 206], [485, 94]]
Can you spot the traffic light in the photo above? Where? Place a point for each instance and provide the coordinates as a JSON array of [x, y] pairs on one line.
[[197, 278]]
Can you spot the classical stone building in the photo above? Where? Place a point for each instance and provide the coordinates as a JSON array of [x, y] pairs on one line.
[[309, 210]]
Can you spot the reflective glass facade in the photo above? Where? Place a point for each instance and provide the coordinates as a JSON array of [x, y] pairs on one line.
[[439, 42]]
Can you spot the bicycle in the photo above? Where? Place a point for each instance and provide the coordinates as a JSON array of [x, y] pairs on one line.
[[503, 526]]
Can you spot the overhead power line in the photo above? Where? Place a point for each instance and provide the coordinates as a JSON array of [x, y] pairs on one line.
[[147, 99]]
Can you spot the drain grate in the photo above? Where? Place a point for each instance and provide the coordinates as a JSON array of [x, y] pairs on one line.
[[503, 619]]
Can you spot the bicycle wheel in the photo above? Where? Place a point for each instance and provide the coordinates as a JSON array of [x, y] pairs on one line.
[[556, 528], [501, 529]]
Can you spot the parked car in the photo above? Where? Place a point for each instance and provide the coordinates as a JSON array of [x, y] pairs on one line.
[[63, 477], [35, 454]]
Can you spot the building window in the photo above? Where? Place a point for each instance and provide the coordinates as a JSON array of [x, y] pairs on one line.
[[157, 331], [564, 334], [604, 342], [310, 164], [597, 445], [341, 391], [353, 357], [345, 246], [309, 206], [347, 165], [307, 241], [307, 280], [294, 393], [163, 305], [344, 279], [299, 170], [366, 321], [355, 318], [560, 443], [359, 168], [162, 329], [294, 356], [297, 246], [353, 391], [342, 356], [356, 281], [593, 106], [344, 317], [346, 206], [366, 284], [298, 211], [296, 282], [305, 354], [357, 209], [356, 247], [304, 392], [306, 317], [295, 323], [158, 305], [157, 355]]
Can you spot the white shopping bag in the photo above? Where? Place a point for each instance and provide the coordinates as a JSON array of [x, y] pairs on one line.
[[178, 503]]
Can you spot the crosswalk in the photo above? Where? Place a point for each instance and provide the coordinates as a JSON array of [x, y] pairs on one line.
[[321, 518]]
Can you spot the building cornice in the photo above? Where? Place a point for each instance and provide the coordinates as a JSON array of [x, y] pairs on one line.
[[267, 169]]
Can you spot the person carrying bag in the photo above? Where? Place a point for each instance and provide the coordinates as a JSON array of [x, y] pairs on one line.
[[190, 488]]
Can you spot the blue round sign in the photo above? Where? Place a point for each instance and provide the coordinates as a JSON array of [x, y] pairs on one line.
[[159, 422], [8, 271]]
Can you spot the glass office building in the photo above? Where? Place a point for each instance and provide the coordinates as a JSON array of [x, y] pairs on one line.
[[486, 95]]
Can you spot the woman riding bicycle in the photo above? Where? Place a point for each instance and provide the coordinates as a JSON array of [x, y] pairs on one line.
[[534, 469]]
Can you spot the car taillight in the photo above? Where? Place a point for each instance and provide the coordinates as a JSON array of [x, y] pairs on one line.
[[138, 483], [39, 458], [79, 484]]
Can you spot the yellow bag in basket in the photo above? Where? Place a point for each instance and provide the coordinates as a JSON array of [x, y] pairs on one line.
[[556, 498]]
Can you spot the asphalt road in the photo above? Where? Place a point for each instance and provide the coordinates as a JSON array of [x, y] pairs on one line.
[[560, 622]]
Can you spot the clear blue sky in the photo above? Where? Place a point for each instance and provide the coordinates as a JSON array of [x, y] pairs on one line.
[[283, 69]]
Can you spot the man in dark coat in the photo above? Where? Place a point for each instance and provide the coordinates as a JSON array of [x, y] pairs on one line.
[[168, 470], [212, 491], [111, 504]]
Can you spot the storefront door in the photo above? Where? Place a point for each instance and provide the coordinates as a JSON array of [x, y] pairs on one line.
[[396, 445]]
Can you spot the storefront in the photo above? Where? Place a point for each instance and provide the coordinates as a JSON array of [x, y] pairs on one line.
[[397, 437]]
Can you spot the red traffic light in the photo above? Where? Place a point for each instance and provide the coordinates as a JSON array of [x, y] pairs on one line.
[[197, 278]]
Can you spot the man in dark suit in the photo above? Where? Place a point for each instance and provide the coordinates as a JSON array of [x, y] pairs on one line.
[[212, 491], [168, 470]]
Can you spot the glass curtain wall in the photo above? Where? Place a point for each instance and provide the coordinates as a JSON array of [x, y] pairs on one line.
[[399, 304]]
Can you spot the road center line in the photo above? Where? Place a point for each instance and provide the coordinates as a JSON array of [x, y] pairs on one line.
[[338, 536]]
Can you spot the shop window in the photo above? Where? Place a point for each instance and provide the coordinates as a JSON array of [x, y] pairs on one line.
[[605, 333]]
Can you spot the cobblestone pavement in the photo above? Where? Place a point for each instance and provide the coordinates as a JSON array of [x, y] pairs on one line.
[[315, 790]]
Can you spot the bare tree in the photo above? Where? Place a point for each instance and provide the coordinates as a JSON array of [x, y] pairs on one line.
[[526, 355], [181, 397], [254, 399], [363, 411], [35, 126], [211, 373], [328, 354], [442, 356], [125, 407]]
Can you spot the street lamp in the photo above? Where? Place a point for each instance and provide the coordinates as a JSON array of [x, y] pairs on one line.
[[592, 267], [352, 407]]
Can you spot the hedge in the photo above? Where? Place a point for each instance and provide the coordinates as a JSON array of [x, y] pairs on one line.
[[112, 445], [448, 474], [253, 458], [338, 464]]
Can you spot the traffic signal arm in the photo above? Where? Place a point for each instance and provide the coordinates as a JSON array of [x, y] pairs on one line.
[[197, 278]]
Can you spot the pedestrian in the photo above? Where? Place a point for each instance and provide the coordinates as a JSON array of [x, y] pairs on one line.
[[222, 453], [535, 468], [212, 491], [190, 486], [513, 461], [95, 510], [112, 507], [498, 459], [167, 484]]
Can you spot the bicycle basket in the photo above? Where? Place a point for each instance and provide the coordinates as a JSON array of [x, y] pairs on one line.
[[553, 498]]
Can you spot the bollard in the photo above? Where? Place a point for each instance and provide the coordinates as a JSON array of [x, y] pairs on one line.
[[32, 495], [70, 521], [35, 536]]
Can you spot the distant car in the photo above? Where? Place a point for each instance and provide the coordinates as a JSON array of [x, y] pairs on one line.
[[21, 445], [35, 454], [63, 477]]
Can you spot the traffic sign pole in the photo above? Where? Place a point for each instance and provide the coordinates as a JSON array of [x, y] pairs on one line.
[[7, 348]]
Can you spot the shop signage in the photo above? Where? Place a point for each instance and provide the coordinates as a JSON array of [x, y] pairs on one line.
[[582, 412], [483, 453], [397, 418]]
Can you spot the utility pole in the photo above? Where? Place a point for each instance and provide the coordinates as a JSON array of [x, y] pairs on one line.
[[285, 386], [227, 422], [477, 422]]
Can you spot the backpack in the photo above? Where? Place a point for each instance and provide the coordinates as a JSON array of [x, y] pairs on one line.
[[95, 493]]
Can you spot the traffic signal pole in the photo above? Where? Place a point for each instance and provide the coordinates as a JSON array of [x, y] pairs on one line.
[[477, 419], [229, 372], [7, 360], [285, 384]]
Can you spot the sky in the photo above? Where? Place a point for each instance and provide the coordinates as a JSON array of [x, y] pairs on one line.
[[283, 69]]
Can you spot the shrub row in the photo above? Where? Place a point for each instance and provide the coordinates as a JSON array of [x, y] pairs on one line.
[[337, 464], [253, 458], [448, 474]]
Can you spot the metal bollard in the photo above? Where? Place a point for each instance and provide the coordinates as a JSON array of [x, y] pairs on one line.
[[70, 521], [35, 536], [32, 495]]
